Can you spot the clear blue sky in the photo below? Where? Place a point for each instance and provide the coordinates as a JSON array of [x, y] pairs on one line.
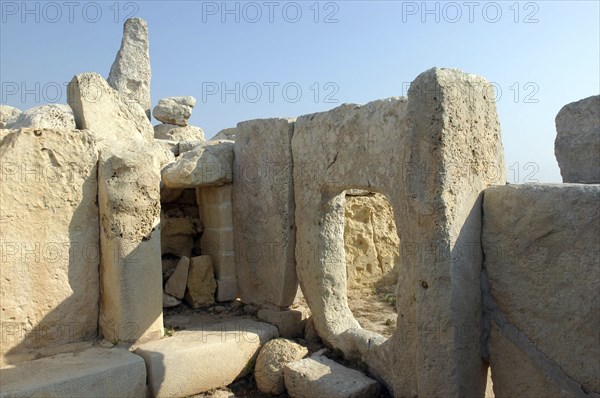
[[540, 55]]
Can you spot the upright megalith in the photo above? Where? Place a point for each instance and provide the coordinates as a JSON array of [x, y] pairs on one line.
[[577, 144], [131, 269], [130, 72], [99, 108], [263, 210], [49, 240], [541, 286], [431, 155]]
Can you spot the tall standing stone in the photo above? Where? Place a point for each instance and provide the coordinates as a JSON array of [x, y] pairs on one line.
[[131, 268], [542, 245], [99, 108], [577, 144], [431, 155], [263, 209], [130, 73], [49, 254]]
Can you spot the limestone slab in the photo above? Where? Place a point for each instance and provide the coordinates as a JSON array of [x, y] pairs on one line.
[[177, 283], [542, 245], [178, 133], [209, 164], [288, 322], [263, 209], [131, 267], [104, 111], [96, 372], [319, 376], [49, 239], [209, 356], [431, 155], [130, 73], [577, 144]]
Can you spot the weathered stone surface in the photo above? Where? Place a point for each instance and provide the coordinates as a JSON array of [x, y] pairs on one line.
[[431, 156], [319, 376], [542, 244], [177, 283], [172, 146], [201, 358], [207, 165], [131, 268], [104, 111], [174, 110], [8, 116], [54, 117], [227, 289], [263, 209], [225, 134], [178, 234], [186, 146], [288, 322], [96, 372], [310, 333], [177, 245], [48, 238], [178, 133], [518, 375], [170, 301], [172, 226], [130, 72], [201, 282], [577, 144], [268, 370], [217, 239], [370, 241]]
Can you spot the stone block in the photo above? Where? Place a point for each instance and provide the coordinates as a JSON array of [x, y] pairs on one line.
[[577, 144], [319, 376], [104, 111], [49, 237], [209, 164], [207, 357], [542, 245], [130, 73], [288, 322], [96, 372], [201, 283], [131, 267], [263, 207], [227, 289]]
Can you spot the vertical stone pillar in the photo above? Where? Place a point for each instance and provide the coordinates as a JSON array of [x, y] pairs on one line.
[[263, 203], [131, 271], [217, 238]]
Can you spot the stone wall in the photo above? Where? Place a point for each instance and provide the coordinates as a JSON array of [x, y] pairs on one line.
[[541, 285]]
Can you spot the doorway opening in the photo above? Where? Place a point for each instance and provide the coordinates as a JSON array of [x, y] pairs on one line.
[[372, 250]]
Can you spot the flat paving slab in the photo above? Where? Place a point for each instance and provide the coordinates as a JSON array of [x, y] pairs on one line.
[[95, 372], [203, 357]]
